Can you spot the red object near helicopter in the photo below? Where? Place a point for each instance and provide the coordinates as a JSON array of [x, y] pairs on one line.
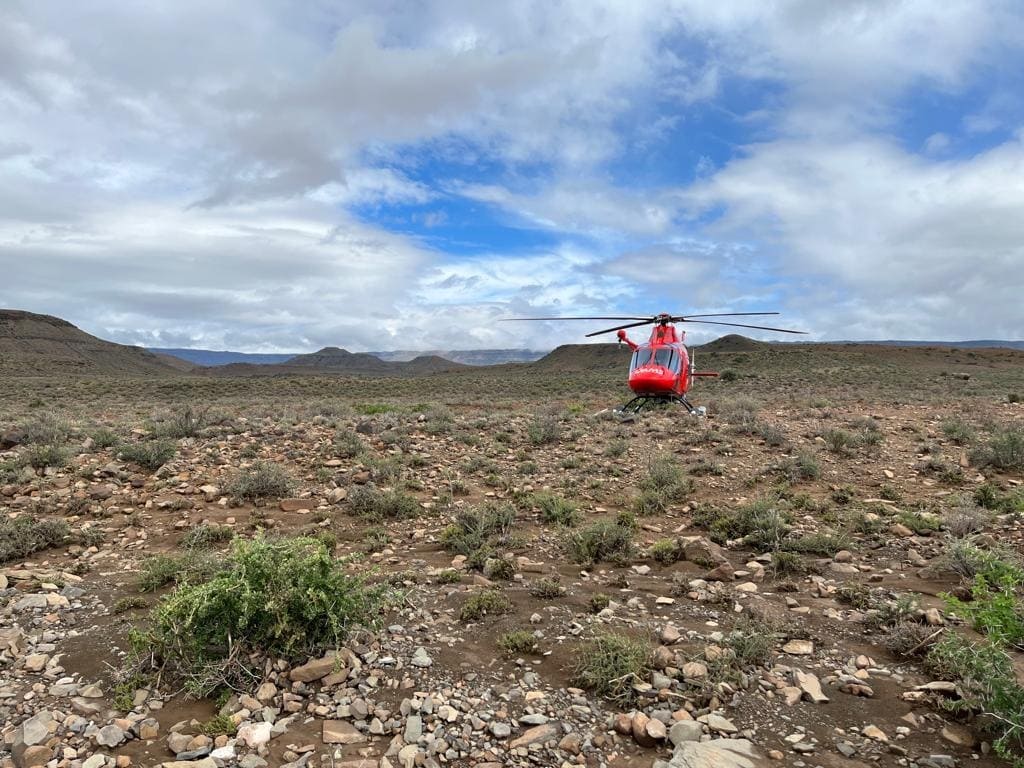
[[661, 370]]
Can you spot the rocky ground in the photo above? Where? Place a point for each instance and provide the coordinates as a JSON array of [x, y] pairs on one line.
[[792, 651]]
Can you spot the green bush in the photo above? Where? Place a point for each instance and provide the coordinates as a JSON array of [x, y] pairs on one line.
[[205, 536], [1005, 450], [187, 421], [601, 541], [555, 510], [666, 476], [666, 551], [263, 480], [544, 430], [348, 445], [24, 535], [105, 438], [159, 570], [598, 602], [374, 504], [280, 598], [151, 454], [958, 431], [519, 642], [986, 677], [547, 588], [47, 429], [609, 664], [476, 532], [42, 455], [489, 602], [763, 524], [996, 608], [817, 544]]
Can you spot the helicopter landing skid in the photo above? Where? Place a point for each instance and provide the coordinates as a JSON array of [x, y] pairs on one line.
[[640, 402]]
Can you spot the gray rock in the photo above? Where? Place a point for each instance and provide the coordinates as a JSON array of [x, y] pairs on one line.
[[413, 729], [721, 753], [420, 658], [685, 730], [500, 730], [36, 729], [110, 736]]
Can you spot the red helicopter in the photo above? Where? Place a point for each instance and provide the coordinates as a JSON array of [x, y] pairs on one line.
[[661, 371]]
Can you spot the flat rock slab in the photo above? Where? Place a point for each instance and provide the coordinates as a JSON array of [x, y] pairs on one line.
[[537, 735], [721, 753], [341, 732]]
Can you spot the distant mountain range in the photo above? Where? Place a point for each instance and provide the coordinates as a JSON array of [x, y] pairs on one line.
[[42, 345], [207, 357]]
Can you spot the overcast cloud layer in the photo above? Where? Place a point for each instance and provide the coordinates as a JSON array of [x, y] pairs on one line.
[[276, 176]]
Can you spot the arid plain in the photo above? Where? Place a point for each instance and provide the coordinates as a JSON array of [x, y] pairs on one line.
[[486, 567]]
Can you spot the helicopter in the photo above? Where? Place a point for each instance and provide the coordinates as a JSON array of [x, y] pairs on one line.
[[662, 371]]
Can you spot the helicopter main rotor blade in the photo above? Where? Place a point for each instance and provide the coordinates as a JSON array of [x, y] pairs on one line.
[[742, 325], [621, 327], [508, 319], [680, 318]]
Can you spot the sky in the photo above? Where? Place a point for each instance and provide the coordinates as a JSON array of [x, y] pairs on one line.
[[265, 175]]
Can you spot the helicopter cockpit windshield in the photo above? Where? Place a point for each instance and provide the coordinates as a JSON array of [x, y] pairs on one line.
[[663, 356]]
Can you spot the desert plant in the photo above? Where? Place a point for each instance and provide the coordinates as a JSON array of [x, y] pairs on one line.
[[547, 588], [187, 421], [375, 504], [347, 445], [263, 480], [601, 541], [1004, 450], [544, 430], [150, 454], [47, 429], [666, 551], [206, 536], [159, 570], [988, 682], [284, 597], [25, 535], [555, 510], [42, 455], [517, 642], [958, 431], [489, 602], [610, 664]]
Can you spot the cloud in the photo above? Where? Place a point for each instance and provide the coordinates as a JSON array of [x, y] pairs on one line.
[[923, 247], [268, 175]]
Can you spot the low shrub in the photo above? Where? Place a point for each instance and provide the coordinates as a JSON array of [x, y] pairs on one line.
[[281, 598], [666, 551], [263, 480], [375, 504], [1004, 450], [206, 536], [547, 589], [601, 541], [160, 570], [489, 602], [42, 455], [518, 642], [988, 683], [609, 664], [23, 536], [150, 454], [555, 510]]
